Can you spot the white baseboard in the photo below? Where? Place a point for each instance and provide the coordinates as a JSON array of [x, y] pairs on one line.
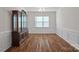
[[42, 33]]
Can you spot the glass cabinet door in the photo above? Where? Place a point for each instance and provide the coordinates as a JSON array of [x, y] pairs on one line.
[[22, 22], [19, 23], [14, 23], [25, 22]]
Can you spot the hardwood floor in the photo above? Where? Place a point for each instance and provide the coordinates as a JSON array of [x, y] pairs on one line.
[[44, 43]]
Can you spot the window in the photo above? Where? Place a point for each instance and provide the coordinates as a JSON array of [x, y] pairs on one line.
[[42, 21]]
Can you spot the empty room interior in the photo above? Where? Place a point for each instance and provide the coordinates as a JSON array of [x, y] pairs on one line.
[[39, 29]]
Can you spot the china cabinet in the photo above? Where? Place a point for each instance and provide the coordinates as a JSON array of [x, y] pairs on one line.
[[19, 27]]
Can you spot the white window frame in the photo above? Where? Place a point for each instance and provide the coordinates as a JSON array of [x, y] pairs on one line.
[[42, 21]]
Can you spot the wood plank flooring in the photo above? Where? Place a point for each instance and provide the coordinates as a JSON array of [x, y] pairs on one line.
[[43, 43]]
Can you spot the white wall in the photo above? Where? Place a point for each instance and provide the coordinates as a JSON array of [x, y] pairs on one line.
[[68, 25], [52, 22], [5, 29]]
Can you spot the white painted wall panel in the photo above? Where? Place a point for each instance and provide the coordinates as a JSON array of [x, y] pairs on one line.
[[5, 29], [68, 25]]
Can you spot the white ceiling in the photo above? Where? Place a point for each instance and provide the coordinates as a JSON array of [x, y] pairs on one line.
[[45, 8], [33, 8]]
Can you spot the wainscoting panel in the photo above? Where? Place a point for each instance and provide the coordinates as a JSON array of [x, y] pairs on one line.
[[5, 40], [71, 36]]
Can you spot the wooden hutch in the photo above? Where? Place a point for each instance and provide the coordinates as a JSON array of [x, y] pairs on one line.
[[19, 27]]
